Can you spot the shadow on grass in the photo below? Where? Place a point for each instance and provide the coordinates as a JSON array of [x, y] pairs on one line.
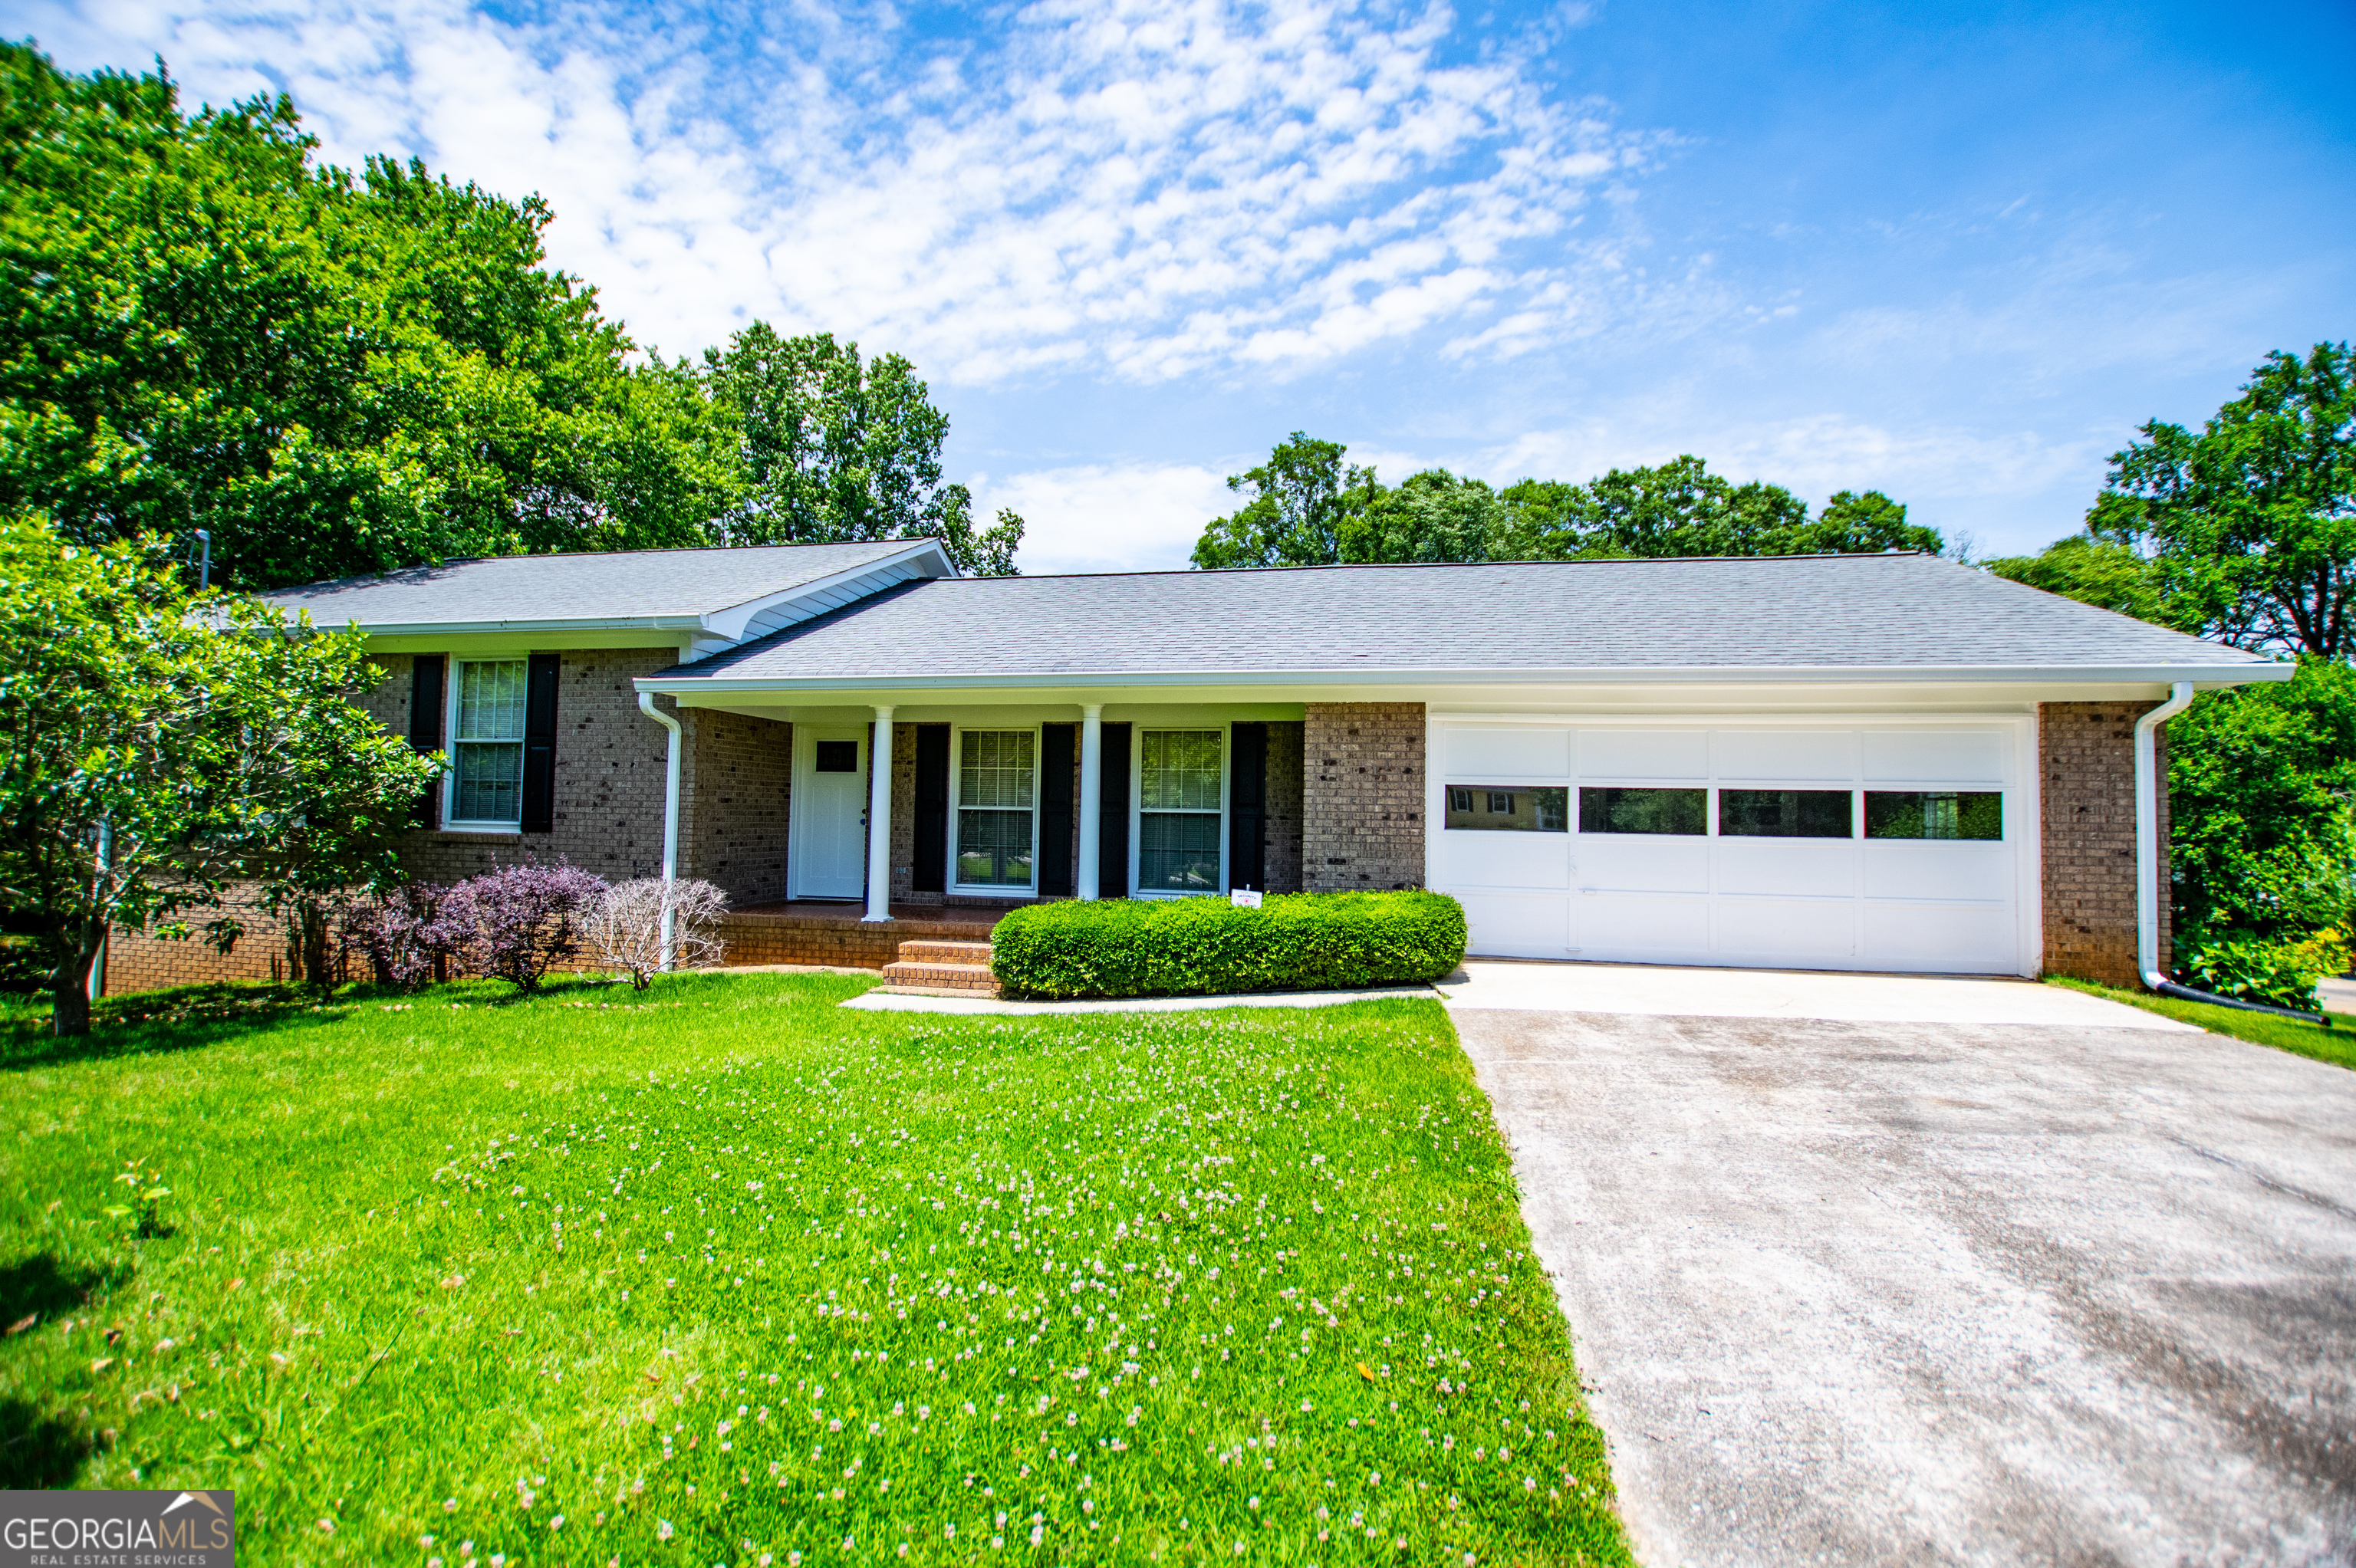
[[147, 1023], [39, 1287], [189, 1017], [39, 1451]]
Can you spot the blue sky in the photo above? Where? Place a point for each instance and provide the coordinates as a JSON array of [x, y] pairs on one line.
[[1954, 253]]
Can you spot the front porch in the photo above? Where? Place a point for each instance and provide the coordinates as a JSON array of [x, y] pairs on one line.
[[809, 931]]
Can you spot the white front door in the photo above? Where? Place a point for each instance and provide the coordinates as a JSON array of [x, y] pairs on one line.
[[829, 812]]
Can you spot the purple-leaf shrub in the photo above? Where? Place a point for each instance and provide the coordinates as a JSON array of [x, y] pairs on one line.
[[524, 919], [413, 934]]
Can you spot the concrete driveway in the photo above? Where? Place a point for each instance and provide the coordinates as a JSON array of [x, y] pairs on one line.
[[1941, 1292]]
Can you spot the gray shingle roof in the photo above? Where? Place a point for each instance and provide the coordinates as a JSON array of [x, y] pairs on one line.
[[1828, 612], [639, 584]]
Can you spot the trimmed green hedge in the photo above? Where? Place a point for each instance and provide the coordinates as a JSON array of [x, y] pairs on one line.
[[1206, 946]]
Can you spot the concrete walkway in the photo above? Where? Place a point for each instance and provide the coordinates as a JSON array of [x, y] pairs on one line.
[[1665, 991], [1939, 1292]]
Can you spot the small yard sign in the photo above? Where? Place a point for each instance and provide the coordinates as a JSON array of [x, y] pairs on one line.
[[1244, 898]]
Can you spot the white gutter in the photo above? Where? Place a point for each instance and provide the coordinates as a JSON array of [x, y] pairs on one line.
[[670, 816], [1693, 675], [2146, 832]]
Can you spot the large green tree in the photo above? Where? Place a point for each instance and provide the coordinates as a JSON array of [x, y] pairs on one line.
[[829, 449], [1307, 507], [157, 750], [1293, 514], [2245, 530], [331, 372], [2262, 838]]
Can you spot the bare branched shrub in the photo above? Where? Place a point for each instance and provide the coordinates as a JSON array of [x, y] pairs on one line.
[[623, 930]]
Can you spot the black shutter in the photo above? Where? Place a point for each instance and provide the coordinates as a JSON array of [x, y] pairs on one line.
[[1112, 820], [539, 745], [932, 866], [1057, 743], [425, 729], [1247, 805]]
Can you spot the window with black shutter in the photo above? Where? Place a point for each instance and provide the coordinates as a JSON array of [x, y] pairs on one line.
[[425, 673], [539, 745]]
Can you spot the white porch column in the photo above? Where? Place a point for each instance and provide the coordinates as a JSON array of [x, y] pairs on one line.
[[1091, 796], [879, 819]]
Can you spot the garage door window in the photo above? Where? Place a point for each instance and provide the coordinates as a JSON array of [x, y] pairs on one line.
[[1934, 814], [1678, 811], [1508, 808], [1786, 814]]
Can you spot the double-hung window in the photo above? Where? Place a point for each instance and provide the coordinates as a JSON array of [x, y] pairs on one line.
[[1181, 797], [996, 799], [487, 744]]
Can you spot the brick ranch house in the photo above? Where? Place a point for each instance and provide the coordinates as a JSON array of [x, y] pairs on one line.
[[1880, 762]]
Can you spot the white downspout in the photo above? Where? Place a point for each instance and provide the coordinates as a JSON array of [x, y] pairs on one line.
[[2146, 832], [670, 819]]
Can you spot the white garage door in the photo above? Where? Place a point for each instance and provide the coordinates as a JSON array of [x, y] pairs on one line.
[[1827, 845]]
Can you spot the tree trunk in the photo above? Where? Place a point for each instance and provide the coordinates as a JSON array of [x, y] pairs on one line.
[[70, 991]]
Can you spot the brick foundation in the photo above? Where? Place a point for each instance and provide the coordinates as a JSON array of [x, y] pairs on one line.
[[1362, 807], [757, 936], [2085, 755]]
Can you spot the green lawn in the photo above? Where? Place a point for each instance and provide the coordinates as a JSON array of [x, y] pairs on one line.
[[726, 1274], [2336, 1045]]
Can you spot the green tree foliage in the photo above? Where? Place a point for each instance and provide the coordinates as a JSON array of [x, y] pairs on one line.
[[333, 373], [1432, 516], [2260, 784], [1308, 508], [1298, 500], [2246, 531], [156, 750], [831, 450]]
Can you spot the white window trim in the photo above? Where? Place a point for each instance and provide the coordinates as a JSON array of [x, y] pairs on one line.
[[957, 803], [454, 824], [1137, 804]]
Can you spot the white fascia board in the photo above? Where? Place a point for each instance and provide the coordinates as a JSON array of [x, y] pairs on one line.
[[672, 624], [727, 625], [1693, 675]]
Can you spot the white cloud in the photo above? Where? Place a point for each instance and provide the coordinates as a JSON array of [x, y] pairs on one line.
[[1144, 188], [1812, 454], [1130, 516]]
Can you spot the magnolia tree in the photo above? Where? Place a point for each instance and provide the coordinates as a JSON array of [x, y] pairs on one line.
[[157, 750], [628, 930]]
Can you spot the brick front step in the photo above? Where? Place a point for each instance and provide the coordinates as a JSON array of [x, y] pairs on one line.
[[935, 952], [937, 968]]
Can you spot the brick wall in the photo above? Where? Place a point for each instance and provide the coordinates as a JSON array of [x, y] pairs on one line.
[[609, 776], [136, 961], [1363, 794], [1281, 831], [736, 791], [2085, 755], [903, 821]]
